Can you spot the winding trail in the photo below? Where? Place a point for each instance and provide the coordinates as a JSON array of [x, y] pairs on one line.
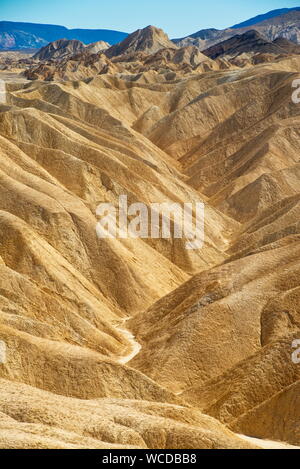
[[135, 346]]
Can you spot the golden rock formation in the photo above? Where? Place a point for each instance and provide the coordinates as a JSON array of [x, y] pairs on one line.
[[121, 343]]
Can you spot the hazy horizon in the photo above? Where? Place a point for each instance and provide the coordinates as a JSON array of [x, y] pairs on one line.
[[185, 18]]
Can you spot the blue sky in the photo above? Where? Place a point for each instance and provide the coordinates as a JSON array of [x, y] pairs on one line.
[[177, 17]]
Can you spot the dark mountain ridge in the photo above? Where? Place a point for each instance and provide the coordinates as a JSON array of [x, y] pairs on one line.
[[251, 42]]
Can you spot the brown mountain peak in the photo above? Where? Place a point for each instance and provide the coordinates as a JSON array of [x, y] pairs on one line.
[[149, 40]]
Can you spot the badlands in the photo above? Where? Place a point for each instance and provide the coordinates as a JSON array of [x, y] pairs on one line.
[[141, 343]]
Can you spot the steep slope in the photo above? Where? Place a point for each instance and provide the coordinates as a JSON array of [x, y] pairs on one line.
[[59, 49], [288, 46], [186, 56], [198, 332], [250, 42], [225, 136], [148, 40], [277, 418], [98, 46], [65, 48]]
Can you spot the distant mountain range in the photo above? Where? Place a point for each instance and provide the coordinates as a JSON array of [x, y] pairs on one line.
[[266, 16], [277, 23], [284, 23], [30, 35]]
